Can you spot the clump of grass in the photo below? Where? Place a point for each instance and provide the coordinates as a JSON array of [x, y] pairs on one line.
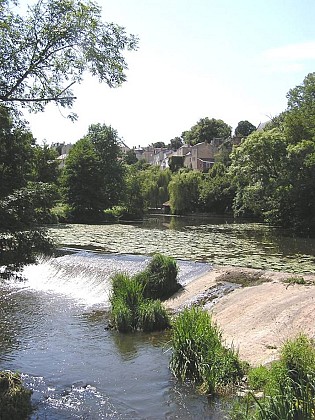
[[131, 311], [295, 280], [288, 386], [15, 399], [160, 277], [258, 377], [199, 354], [153, 316]]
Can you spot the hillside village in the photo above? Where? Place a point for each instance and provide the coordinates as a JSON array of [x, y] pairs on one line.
[[198, 157]]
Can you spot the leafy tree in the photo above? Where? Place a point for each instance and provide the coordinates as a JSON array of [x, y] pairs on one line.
[[132, 198], [257, 165], [216, 191], [244, 128], [175, 143], [93, 175], [45, 164], [158, 144], [16, 152], [130, 157], [43, 54], [205, 130], [155, 186], [299, 120], [176, 163], [184, 192]]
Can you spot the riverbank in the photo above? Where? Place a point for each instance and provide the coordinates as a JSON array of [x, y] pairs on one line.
[[259, 318]]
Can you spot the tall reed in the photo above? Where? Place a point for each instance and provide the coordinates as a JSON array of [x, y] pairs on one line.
[[199, 354]]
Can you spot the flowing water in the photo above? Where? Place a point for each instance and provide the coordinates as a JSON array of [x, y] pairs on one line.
[[53, 324]]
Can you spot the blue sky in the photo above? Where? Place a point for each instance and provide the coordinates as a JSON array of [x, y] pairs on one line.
[[229, 59]]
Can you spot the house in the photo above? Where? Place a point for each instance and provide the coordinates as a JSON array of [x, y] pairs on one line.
[[201, 156]]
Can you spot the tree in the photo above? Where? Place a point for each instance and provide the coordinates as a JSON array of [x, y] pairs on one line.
[[43, 54], [155, 186], [176, 163], [158, 145], [45, 167], [93, 175], [299, 120], [130, 157], [24, 206], [257, 167], [206, 130], [216, 191], [16, 152], [244, 128], [184, 192], [175, 143]]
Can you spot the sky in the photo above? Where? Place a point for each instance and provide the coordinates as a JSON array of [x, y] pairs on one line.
[[227, 59]]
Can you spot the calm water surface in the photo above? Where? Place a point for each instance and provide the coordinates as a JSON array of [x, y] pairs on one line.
[[216, 241], [52, 325]]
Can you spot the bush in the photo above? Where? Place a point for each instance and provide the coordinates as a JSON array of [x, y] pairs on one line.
[[289, 386], [15, 400], [160, 277], [258, 377], [198, 352]]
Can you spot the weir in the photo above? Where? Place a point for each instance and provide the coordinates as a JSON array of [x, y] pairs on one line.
[[85, 275]]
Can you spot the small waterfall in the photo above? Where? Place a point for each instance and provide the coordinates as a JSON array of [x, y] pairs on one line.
[[85, 275]]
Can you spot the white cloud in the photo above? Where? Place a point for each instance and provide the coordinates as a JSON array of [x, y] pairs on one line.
[[288, 58]]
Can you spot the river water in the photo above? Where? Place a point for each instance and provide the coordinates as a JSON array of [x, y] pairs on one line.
[[53, 324]]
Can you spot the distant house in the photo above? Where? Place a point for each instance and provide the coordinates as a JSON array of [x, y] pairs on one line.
[[123, 147], [201, 156]]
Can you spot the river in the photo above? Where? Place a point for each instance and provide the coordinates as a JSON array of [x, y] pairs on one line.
[[52, 325]]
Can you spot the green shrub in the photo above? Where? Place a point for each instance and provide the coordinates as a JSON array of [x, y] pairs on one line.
[[15, 400], [160, 277], [198, 352], [289, 390], [153, 316], [258, 377], [122, 317]]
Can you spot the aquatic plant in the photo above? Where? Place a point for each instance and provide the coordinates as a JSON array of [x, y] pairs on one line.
[[153, 316], [160, 277], [15, 399], [199, 354], [131, 311]]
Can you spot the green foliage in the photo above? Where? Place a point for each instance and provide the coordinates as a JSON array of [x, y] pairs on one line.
[[131, 310], [132, 199], [153, 316], [184, 192], [16, 152], [299, 120], [176, 163], [21, 236], [15, 400], [288, 385], [175, 143], [199, 355], [205, 130], [154, 184], [160, 277], [45, 167], [258, 377], [44, 53], [295, 280], [93, 175], [216, 191], [244, 128]]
